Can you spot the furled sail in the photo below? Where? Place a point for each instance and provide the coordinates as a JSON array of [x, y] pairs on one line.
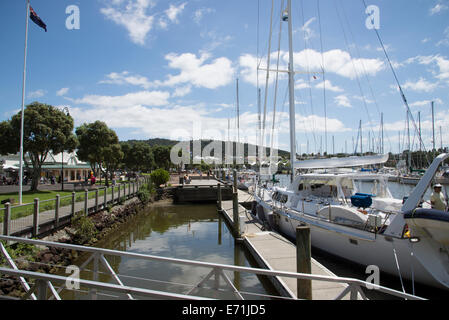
[[341, 162]]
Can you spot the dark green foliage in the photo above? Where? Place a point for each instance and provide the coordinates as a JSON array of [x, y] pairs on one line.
[[160, 176], [84, 227], [99, 146], [146, 193], [46, 129], [137, 156]]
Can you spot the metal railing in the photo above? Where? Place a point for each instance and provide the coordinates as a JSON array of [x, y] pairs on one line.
[[215, 271], [28, 219]]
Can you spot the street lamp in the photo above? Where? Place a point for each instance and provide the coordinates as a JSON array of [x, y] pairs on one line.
[[64, 109]]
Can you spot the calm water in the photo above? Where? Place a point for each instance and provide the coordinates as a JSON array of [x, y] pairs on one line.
[[185, 232], [345, 268]]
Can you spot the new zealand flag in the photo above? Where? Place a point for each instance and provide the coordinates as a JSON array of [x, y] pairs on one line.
[[37, 20]]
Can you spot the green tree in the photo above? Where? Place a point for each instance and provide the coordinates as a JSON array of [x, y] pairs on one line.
[[45, 129], [137, 156], [112, 157], [162, 157], [99, 146]]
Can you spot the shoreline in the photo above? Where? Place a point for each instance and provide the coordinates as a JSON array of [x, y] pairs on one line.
[[54, 260]]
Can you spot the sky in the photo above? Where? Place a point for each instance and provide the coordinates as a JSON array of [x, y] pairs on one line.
[[169, 69]]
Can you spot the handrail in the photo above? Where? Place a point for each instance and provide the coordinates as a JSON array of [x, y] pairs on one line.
[[100, 285], [352, 283]]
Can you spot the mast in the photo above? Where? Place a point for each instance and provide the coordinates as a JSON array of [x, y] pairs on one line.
[[361, 140], [238, 113], [291, 92], [382, 134], [408, 141], [433, 127], [420, 139]]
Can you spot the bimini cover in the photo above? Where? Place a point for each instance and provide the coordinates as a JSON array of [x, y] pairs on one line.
[[341, 162]]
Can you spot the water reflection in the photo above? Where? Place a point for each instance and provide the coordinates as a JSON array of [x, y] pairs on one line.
[[185, 232]]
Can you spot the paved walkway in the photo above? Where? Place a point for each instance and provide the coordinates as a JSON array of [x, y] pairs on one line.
[[23, 223]]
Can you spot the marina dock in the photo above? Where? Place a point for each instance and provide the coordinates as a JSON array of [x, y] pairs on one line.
[[274, 252]]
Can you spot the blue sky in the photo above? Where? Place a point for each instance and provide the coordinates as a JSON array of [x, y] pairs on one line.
[[168, 69]]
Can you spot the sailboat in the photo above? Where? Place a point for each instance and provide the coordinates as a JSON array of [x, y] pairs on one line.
[[402, 237]]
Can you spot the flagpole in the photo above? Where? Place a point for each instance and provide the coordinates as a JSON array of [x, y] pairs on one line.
[[23, 104]]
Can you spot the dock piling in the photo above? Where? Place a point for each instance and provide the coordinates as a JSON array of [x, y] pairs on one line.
[[235, 213], [303, 261], [220, 206]]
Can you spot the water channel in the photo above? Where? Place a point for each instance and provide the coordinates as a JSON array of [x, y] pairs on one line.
[[193, 232]]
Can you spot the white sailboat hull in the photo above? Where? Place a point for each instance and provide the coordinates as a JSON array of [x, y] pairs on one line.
[[358, 246]]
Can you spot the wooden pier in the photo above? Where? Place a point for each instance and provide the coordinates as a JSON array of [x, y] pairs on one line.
[[274, 252]]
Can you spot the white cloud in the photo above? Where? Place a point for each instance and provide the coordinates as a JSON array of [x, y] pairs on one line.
[[195, 71], [62, 92], [126, 78], [329, 86], [439, 7], [182, 91], [335, 61], [445, 40], [144, 98], [199, 14], [343, 101], [174, 11], [422, 85], [308, 32], [36, 94], [301, 84], [441, 65], [133, 16], [425, 103]]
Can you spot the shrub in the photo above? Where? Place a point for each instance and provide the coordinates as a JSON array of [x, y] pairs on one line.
[[160, 176], [144, 195], [84, 227]]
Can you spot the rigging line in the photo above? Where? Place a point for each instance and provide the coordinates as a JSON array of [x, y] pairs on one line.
[[324, 77], [268, 72], [308, 75], [277, 78], [365, 73], [303, 119], [353, 65], [404, 99]]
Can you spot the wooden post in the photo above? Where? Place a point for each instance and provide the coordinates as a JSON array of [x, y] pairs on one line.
[[7, 219], [112, 190], [235, 213], [96, 200], [57, 204], [303, 261], [73, 203], [235, 180], [86, 199], [105, 196], [118, 197], [220, 207], [36, 217]]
